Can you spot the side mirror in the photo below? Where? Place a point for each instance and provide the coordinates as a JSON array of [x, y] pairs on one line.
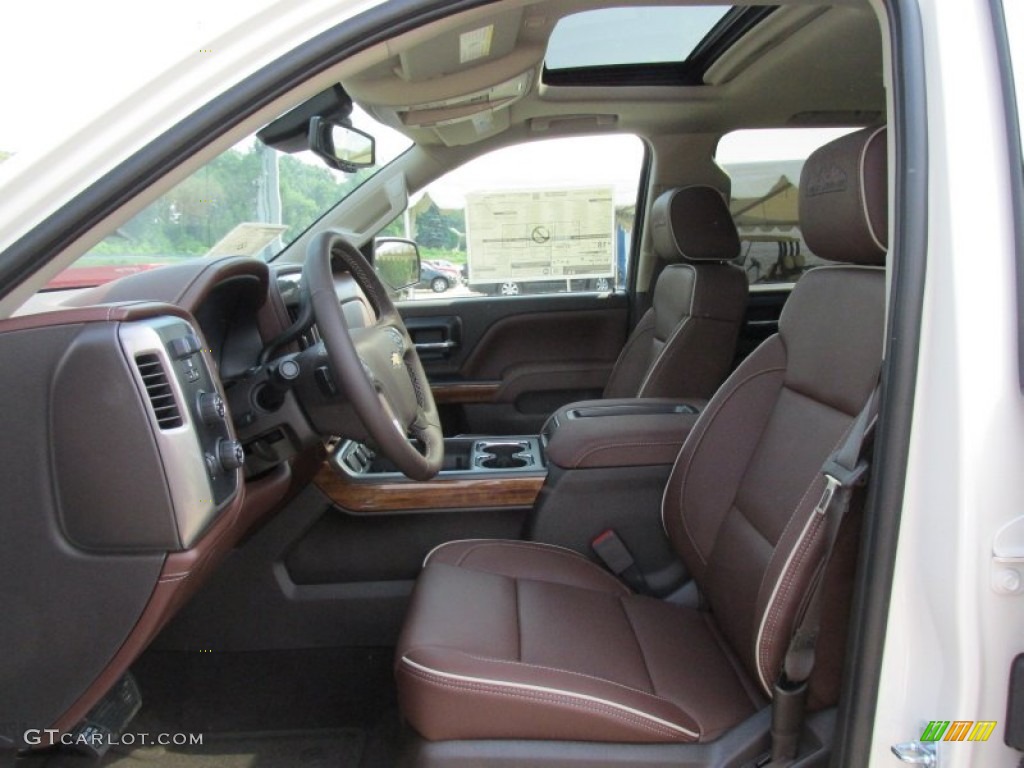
[[397, 262], [340, 146]]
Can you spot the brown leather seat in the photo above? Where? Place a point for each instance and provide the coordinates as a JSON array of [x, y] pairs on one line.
[[684, 344], [528, 641]]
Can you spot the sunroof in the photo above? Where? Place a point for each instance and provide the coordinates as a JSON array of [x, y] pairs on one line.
[[608, 37]]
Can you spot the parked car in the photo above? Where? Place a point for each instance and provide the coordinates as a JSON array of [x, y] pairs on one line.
[[255, 509], [438, 277], [458, 269]]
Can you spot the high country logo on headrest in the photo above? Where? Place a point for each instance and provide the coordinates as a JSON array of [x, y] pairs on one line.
[[827, 178]]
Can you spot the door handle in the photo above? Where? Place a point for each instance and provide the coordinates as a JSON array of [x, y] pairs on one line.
[[435, 346]]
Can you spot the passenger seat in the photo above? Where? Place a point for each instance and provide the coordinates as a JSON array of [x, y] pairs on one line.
[[684, 345]]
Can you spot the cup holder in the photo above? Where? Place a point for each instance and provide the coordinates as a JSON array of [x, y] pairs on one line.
[[512, 455]]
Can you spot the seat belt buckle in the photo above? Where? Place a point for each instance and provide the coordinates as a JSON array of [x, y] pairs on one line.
[[612, 552]]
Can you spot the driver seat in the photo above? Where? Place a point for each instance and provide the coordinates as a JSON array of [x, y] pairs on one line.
[[522, 640]]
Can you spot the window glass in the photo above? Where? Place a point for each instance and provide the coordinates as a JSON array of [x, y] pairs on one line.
[[765, 166], [639, 35], [251, 200], [545, 217]]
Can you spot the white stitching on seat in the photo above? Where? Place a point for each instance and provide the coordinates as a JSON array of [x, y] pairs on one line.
[[631, 342], [678, 329], [441, 546], [548, 698], [782, 579], [863, 196], [513, 542], [564, 672], [704, 427], [534, 545], [617, 446], [786, 576], [628, 712]]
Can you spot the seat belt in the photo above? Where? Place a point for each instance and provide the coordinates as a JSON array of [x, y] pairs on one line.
[[844, 470]]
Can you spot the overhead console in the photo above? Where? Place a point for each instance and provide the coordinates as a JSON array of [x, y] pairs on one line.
[[456, 86]]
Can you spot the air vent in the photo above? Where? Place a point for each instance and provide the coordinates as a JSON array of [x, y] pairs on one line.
[[161, 396]]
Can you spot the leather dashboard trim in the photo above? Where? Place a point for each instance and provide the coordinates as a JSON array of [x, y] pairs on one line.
[[100, 313]]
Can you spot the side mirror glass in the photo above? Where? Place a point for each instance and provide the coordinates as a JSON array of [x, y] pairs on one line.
[[397, 262], [340, 146]]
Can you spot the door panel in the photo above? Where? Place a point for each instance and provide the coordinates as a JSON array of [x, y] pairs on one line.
[[501, 365], [317, 575]]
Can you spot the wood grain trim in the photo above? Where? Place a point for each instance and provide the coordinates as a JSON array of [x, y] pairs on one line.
[[460, 392], [398, 496]]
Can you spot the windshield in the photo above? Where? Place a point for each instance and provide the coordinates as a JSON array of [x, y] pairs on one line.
[[251, 200]]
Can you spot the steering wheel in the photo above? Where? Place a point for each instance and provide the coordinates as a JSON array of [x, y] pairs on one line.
[[376, 367]]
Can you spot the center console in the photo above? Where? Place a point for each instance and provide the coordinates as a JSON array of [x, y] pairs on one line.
[[596, 465], [478, 473], [608, 464], [464, 458], [619, 433]]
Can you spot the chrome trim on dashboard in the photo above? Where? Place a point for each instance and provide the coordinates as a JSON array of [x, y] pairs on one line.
[[180, 448]]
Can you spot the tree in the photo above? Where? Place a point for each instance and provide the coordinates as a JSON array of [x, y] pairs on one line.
[[203, 208], [432, 231]]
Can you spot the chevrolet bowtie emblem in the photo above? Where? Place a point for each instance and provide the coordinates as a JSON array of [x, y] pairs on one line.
[[396, 360]]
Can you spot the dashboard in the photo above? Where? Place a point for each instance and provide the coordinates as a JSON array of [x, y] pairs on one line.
[[119, 438]]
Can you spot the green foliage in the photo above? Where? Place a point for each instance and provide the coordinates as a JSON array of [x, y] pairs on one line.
[[455, 221], [395, 229], [433, 254], [432, 230], [201, 210]]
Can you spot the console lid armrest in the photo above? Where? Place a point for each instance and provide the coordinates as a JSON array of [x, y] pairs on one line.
[[625, 432]]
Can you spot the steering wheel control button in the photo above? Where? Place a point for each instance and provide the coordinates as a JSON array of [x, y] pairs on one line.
[[184, 346], [288, 370], [230, 454], [211, 408]]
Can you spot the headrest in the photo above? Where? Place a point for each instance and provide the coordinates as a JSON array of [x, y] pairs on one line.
[[693, 224], [844, 210]]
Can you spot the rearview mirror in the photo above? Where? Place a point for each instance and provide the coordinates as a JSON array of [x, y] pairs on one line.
[[397, 262], [340, 146]]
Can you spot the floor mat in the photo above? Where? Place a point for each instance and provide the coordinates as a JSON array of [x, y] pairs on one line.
[[340, 748], [249, 692], [271, 709]]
